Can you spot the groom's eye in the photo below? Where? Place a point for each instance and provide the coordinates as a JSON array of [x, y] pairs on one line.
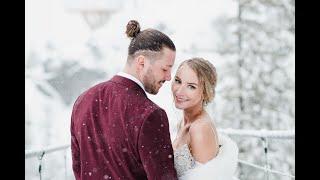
[[177, 81]]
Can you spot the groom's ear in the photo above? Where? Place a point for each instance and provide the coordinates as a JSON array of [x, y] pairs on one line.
[[140, 61]]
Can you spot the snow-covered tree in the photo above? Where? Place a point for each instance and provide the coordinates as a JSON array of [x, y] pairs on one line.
[[257, 79]]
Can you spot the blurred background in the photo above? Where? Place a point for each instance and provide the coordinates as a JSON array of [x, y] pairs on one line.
[[71, 45]]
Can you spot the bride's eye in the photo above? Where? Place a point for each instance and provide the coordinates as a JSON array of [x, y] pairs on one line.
[[191, 87]]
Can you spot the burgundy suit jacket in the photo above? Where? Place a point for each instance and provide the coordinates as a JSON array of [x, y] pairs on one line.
[[118, 133]]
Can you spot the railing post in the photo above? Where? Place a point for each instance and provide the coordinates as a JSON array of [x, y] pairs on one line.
[[40, 163], [265, 146]]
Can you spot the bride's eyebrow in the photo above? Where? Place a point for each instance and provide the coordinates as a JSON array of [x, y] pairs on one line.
[[189, 83], [193, 84]]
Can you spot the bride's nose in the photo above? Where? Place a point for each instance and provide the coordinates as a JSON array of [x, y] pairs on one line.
[[179, 91]]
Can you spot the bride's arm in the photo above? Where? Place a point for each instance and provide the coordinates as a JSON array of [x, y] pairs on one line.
[[203, 143]]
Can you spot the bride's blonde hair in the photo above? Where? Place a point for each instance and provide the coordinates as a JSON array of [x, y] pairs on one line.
[[206, 74]]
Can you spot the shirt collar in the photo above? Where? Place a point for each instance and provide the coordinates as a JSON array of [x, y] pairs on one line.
[[129, 76]]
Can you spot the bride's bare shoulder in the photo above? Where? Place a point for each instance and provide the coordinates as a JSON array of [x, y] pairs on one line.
[[203, 141], [201, 127]]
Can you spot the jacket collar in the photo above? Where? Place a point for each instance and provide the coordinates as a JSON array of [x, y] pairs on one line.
[[128, 83]]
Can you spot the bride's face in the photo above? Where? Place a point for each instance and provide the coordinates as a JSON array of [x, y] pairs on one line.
[[186, 90]]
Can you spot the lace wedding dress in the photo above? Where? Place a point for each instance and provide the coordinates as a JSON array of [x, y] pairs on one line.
[[222, 167]]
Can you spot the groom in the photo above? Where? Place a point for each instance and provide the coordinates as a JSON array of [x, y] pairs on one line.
[[116, 131]]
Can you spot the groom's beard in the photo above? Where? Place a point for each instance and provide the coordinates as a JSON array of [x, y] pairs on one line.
[[149, 82]]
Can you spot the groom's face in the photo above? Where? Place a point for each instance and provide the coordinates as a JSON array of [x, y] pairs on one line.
[[157, 71]]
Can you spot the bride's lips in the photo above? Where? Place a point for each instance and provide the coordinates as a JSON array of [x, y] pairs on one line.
[[180, 100]]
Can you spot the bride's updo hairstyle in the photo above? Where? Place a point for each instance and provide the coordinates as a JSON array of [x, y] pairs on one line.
[[148, 42], [207, 76]]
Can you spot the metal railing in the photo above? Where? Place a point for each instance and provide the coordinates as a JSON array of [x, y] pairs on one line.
[[264, 135], [41, 152]]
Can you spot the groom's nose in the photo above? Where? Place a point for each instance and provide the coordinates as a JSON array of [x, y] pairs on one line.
[[168, 76]]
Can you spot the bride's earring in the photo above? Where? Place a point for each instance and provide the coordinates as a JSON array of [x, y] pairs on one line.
[[204, 103]]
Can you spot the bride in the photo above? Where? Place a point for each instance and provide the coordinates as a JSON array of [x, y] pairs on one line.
[[199, 151]]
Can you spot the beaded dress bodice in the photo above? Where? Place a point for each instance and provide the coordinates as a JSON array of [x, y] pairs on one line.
[[183, 160]]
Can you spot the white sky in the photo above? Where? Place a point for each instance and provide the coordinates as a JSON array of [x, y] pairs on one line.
[[190, 21]]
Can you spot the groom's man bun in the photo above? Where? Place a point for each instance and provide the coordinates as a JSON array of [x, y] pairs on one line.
[[133, 28], [148, 42]]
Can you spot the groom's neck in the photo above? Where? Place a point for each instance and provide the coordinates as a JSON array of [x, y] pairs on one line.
[[132, 71]]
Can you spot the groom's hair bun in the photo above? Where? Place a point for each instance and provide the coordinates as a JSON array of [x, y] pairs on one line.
[[147, 42], [133, 28]]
